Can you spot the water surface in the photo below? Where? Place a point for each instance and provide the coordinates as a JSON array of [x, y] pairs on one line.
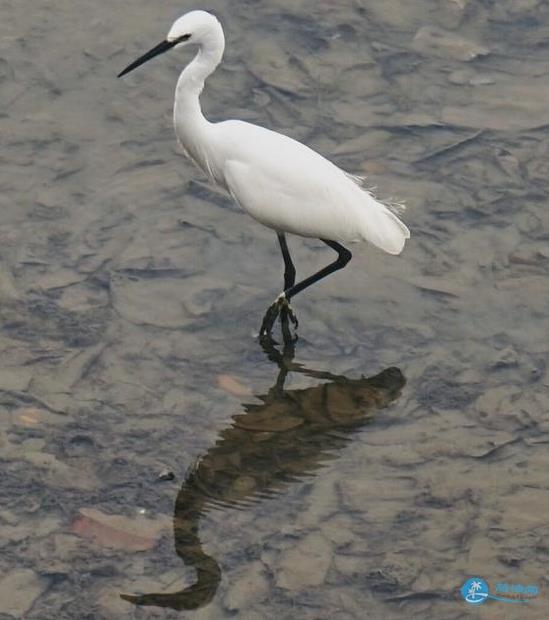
[[131, 293]]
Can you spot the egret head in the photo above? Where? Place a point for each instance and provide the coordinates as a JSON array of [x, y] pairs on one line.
[[197, 27], [194, 27]]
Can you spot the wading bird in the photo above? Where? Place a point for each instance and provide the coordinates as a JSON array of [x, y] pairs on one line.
[[280, 182]]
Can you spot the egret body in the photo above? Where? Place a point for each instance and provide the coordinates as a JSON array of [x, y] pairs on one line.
[[280, 182]]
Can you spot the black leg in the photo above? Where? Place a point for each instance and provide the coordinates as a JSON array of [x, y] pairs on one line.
[[286, 313], [281, 305], [289, 269], [343, 257]]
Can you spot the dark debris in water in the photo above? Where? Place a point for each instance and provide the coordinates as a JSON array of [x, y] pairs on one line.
[[165, 475]]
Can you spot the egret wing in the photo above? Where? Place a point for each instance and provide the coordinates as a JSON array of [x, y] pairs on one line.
[[289, 187]]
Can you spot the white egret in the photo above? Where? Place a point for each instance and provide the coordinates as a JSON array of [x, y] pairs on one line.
[[280, 182]]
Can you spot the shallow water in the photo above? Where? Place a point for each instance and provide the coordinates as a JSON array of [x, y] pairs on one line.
[[131, 292]]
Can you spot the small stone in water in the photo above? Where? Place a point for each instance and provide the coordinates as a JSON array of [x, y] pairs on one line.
[[165, 475]]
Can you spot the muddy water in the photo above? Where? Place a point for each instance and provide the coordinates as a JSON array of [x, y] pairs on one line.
[[131, 292]]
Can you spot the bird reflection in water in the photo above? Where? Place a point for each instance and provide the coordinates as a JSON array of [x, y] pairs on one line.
[[289, 435]]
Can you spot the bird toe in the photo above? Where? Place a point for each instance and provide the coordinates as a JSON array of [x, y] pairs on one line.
[[282, 309], [269, 319]]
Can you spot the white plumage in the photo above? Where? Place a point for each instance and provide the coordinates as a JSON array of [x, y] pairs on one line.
[[291, 188], [280, 182]]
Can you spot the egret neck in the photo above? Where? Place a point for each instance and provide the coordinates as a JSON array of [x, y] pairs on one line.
[[193, 130]]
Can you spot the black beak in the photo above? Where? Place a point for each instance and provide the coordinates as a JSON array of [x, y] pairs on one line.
[[159, 49]]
